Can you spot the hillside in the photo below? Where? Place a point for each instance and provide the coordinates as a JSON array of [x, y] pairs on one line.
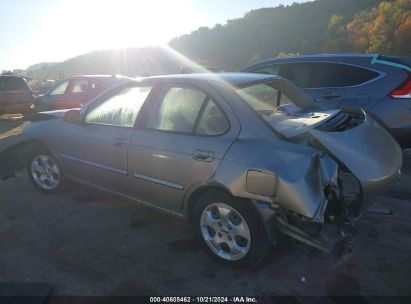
[[307, 28], [334, 26], [131, 62]]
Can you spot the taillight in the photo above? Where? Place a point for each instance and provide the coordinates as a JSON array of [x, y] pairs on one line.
[[403, 90]]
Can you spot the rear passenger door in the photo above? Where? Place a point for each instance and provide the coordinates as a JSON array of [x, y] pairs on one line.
[[94, 90], [79, 92], [182, 138], [319, 79]]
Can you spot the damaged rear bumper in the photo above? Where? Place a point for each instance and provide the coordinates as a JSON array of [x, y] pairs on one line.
[[328, 237]]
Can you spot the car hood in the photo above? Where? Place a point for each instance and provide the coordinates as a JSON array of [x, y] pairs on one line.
[[49, 115]]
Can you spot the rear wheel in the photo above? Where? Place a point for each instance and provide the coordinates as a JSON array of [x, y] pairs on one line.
[[230, 230], [44, 172]]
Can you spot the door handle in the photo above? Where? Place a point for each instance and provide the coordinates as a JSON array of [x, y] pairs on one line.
[[331, 95], [203, 155]]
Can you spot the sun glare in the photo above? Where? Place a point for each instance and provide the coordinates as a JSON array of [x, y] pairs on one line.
[[73, 27]]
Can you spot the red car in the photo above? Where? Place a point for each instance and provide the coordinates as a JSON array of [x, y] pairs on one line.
[[76, 92], [15, 95]]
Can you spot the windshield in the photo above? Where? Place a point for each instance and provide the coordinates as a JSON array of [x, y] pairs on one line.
[[268, 102], [264, 98]]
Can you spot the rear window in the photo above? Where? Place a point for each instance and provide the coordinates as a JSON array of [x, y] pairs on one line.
[[263, 97], [12, 84]]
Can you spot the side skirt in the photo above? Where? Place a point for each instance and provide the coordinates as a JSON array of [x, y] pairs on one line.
[[83, 182]]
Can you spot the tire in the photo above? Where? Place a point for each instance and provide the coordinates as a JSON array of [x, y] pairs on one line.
[[230, 230], [44, 172]]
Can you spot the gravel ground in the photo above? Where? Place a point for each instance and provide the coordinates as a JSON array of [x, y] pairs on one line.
[[84, 242]]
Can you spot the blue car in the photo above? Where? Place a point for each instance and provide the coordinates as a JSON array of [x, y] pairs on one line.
[[381, 85]]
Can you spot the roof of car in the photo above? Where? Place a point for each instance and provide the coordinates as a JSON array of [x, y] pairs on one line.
[[107, 80], [311, 57], [322, 56], [11, 76], [234, 79]]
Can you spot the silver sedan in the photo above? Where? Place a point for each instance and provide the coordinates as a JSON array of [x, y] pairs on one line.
[[244, 157]]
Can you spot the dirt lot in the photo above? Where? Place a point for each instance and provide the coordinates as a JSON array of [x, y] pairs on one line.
[[87, 243]]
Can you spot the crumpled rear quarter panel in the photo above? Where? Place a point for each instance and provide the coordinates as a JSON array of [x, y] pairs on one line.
[[301, 173]]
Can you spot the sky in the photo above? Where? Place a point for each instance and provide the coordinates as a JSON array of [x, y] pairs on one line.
[[56, 30]]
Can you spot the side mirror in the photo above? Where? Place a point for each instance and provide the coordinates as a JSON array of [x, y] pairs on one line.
[[72, 116]]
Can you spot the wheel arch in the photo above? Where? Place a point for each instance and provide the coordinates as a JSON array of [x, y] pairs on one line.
[[195, 193], [33, 144]]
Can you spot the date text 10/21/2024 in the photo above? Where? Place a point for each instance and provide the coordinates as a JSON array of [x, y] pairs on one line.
[[236, 299]]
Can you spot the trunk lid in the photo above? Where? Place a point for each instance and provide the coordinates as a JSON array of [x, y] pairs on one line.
[[366, 149]]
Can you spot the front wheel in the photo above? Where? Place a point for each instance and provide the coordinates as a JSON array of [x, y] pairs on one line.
[[44, 172], [230, 230]]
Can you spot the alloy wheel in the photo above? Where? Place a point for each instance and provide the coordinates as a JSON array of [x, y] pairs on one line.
[[225, 231], [45, 172]]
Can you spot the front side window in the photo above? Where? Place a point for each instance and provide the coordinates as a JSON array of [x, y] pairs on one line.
[[120, 109], [60, 88], [80, 86]]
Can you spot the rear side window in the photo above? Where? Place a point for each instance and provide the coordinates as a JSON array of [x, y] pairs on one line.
[[212, 121], [178, 110], [353, 75], [312, 74], [119, 110], [95, 87], [186, 110], [80, 86], [320, 74], [12, 84], [60, 88]]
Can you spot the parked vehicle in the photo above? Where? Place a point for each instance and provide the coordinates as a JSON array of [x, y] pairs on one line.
[[15, 95], [242, 156], [76, 91], [379, 84]]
